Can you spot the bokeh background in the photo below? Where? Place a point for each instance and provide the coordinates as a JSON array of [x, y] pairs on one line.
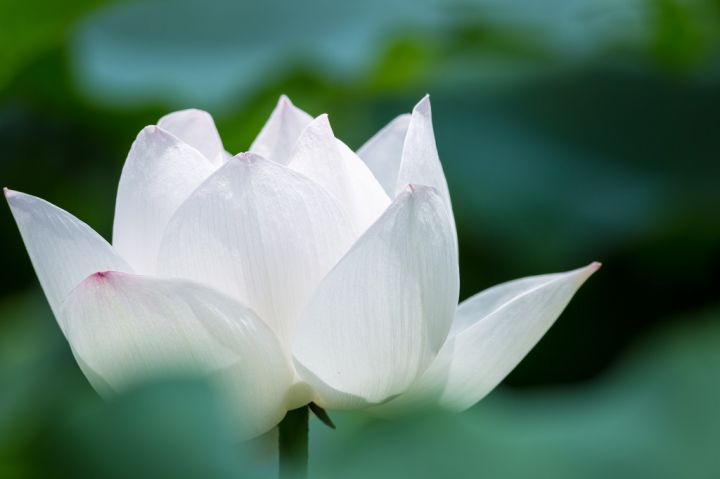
[[570, 131]]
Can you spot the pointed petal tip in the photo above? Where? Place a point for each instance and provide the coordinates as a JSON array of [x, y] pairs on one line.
[[11, 195], [414, 193], [101, 275], [414, 189], [156, 132], [317, 134], [423, 106], [286, 109], [586, 271], [285, 105], [188, 111], [150, 130], [170, 122], [321, 121], [248, 157], [152, 135]]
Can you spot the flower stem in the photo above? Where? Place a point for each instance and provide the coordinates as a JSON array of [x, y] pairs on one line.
[[293, 444]]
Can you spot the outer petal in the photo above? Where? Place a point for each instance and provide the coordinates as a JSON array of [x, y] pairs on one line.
[[63, 249], [492, 332], [383, 152], [420, 161], [160, 173], [127, 328], [278, 136], [404, 152], [197, 129], [380, 316], [260, 232], [331, 164]]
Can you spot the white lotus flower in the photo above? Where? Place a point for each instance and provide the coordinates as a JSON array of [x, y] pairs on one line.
[[300, 271]]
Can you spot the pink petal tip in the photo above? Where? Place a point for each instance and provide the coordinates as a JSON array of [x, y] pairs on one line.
[[101, 275]]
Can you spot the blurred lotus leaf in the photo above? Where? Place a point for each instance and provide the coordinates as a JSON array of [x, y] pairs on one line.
[[206, 53]]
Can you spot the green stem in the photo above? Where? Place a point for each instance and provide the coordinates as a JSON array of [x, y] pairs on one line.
[[293, 444]]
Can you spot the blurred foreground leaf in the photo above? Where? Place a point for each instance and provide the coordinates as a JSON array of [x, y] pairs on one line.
[[655, 416], [166, 429]]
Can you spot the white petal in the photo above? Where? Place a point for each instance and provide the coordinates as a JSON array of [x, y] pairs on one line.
[[404, 152], [197, 129], [382, 153], [160, 173], [260, 232], [420, 162], [278, 136], [491, 334], [62, 249], [380, 316], [128, 328], [318, 155], [416, 162], [325, 395]]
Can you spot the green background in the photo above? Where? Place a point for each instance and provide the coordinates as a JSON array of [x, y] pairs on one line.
[[569, 130]]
